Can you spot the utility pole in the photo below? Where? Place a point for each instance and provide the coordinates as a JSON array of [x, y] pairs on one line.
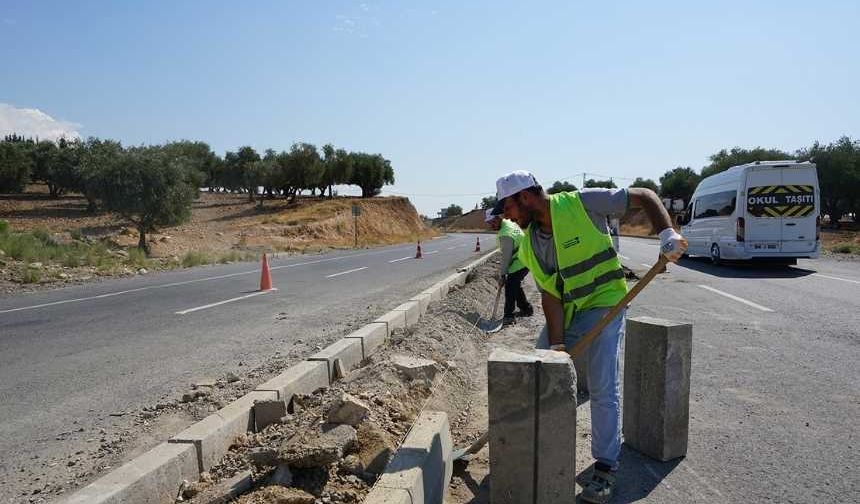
[[583, 181]]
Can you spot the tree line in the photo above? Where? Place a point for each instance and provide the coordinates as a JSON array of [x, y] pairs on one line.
[[838, 165], [152, 186]]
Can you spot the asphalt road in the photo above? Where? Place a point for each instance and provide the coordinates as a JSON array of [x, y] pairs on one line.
[[775, 391], [72, 354], [774, 395]]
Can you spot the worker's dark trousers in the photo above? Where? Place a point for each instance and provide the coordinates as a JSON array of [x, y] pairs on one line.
[[514, 294]]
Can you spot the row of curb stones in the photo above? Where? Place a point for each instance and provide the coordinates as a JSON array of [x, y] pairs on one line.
[[155, 476], [421, 469]]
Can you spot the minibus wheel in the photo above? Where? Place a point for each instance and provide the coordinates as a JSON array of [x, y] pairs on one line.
[[715, 254]]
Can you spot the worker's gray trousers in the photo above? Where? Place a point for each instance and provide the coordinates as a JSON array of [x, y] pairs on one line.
[[603, 380]]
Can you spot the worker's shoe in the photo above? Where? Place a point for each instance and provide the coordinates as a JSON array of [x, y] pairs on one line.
[[599, 489], [525, 313], [508, 320]]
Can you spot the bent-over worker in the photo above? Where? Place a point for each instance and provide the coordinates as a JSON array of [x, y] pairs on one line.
[[569, 252], [511, 269]]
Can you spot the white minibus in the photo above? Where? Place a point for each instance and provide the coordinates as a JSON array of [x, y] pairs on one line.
[[763, 210]]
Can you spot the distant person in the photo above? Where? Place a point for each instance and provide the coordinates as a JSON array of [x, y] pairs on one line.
[[511, 270], [569, 252]]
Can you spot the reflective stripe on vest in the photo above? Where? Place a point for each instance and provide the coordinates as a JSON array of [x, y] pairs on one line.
[[511, 230], [585, 290], [589, 273]]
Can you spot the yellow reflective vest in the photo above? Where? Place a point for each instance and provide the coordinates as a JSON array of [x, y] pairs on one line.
[[511, 230], [589, 273]]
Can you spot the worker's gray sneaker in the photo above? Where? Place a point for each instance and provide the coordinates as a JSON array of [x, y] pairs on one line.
[[598, 490]]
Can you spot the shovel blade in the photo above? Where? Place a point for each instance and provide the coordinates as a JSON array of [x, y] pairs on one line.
[[490, 326]]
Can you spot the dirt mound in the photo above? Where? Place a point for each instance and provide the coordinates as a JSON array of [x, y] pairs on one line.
[[470, 221], [223, 228], [343, 468], [221, 222], [330, 223], [636, 223], [448, 336]]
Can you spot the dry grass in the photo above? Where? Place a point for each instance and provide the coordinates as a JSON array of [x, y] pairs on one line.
[[223, 228], [841, 241], [313, 225]]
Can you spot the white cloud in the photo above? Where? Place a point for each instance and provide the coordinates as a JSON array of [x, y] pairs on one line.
[[29, 122]]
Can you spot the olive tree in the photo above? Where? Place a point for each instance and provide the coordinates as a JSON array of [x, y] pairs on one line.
[[149, 188]]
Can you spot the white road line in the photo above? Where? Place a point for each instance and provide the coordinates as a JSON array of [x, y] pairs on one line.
[[451, 248], [646, 265], [624, 257], [401, 259], [431, 252], [738, 299], [219, 303], [835, 278], [186, 282], [346, 272], [128, 291]]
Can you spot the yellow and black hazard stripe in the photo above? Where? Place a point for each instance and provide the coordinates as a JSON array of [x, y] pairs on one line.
[[781, 189], [783, 211], [781, 201]]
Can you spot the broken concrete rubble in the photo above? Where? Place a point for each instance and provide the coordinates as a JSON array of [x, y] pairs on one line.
[[262, 457], [267, 412], [348, 410], [320, 449], [375, 447], [414, 368], [282, 476]]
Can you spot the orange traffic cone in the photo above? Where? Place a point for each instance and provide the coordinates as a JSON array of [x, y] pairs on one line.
[[418, 251], [478, 244], [265, 276]]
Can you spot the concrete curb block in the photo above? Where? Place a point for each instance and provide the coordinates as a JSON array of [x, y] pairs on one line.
[[421, 469], [435, 293], [424, 301], [443, 287], [347, 350], [372, 336], [394, 319], [213, 435], [152, 478], [411, 311], [457, 280], [302, 378], [478, 262], [424, 462]]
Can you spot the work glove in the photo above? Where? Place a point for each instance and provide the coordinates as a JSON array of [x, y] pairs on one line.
[[558, 347], [672, 245], [502, 279]]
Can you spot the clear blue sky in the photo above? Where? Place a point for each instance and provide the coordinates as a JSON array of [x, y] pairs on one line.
[[454, 93]]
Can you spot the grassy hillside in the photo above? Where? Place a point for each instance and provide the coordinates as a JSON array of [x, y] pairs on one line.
[[55, 240]]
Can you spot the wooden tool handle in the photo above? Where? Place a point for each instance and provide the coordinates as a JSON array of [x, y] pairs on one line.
[[595, 331], [496, 304]]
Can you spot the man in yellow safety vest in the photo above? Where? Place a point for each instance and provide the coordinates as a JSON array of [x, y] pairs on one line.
[[568, 249], [511, 270]]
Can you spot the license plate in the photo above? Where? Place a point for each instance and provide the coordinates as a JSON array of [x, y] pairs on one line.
[[766, 246]]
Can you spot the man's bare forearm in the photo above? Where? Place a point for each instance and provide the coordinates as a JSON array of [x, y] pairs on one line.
[[553, 310], [646, 199]]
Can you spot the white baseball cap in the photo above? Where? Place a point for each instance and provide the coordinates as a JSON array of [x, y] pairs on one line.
[[488, 215], [511, 184]]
